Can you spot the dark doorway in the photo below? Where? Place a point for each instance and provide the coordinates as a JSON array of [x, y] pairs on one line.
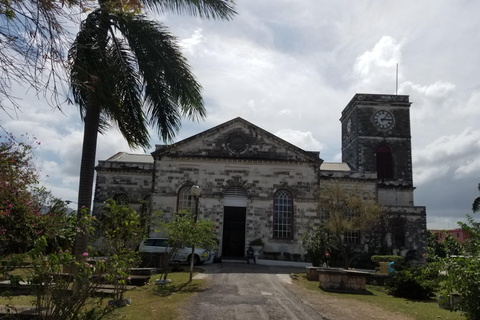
[[233, 242]]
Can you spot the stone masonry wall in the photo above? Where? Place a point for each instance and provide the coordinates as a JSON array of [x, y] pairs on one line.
[[133, 180], [260, 180]]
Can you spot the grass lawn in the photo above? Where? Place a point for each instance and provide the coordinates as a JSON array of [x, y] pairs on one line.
[[420, 310], [158, 301], [148, 302]]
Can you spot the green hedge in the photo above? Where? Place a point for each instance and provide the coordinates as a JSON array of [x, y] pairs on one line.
[[395, 259]]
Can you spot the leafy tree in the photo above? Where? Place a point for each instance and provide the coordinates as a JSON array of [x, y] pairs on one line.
[[184, 231], [476, 202], [463, 277], [119, 230], [463, 272], [472, 244], [436, 249], [347, 208], [128, 71], [120, 226], [33, 39], [317, 241], [451, 245], [22, 220], [54, 274]]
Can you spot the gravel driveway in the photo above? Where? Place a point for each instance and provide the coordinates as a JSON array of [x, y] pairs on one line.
[[250, 292]]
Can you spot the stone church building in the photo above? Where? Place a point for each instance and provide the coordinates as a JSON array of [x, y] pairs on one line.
[[254, 184]]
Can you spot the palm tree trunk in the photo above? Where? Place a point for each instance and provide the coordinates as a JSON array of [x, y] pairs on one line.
[[87, 174]]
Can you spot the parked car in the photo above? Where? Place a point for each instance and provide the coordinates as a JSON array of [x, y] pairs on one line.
[[159, 245]]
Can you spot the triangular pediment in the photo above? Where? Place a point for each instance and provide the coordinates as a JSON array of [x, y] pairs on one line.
[[237, 139]]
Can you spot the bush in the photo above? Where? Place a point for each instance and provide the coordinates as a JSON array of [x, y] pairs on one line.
[[316, 241], [463, 277], [363, 261], [415, 284], [257, 242], [287, 256], [386, 258], [275, 254]]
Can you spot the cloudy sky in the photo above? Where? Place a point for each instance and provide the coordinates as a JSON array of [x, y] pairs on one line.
[[291, 66]]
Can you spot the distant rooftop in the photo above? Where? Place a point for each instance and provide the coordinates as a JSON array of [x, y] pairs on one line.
[[335, 166]]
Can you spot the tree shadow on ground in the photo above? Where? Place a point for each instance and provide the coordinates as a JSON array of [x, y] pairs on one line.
[[165, 290]]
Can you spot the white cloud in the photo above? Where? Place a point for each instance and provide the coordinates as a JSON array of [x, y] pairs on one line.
[[190, 44], [303, 140], [376, 68]]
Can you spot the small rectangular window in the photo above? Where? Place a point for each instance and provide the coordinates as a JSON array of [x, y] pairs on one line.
[[352, 237]]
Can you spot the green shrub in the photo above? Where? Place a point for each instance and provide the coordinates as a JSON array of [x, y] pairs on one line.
[[275, 254], [257, 242], [385, 258], [463, 278], [415, 284], [363, 261], [287, 256], [316, 241]]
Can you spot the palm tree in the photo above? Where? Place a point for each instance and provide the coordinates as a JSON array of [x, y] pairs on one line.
[[476, 202], [128, 71]]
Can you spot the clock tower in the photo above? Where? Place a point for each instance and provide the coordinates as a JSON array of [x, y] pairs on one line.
[[376, 137]]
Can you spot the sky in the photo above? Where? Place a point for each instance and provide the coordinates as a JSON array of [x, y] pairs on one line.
[[291, 66]]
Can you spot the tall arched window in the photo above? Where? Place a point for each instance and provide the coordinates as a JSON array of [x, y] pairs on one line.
[[283, 215], [384, 162], [185, 199]]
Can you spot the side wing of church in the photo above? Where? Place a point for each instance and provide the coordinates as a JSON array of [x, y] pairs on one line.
[[255, 184]]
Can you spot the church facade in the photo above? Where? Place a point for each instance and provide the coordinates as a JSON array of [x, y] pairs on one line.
[[256, 185]]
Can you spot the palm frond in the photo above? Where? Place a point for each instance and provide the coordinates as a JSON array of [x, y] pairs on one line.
[[126, 110], [208, 9], [87, 61], [171, 91]]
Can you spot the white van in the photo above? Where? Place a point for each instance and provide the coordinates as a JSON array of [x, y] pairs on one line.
[[158, 245]]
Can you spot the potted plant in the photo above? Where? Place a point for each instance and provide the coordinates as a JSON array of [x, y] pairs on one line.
[[257, 245]]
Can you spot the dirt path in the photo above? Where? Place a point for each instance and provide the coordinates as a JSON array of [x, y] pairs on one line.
[[241, 291]]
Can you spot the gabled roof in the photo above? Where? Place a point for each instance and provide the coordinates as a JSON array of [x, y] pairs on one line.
[[217, 143]]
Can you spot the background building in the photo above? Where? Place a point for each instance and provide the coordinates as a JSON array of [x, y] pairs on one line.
[[255, 184]]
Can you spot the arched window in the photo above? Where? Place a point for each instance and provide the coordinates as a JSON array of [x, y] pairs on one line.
[[384, 162], [283, 215], [185, 200], [121, 199]]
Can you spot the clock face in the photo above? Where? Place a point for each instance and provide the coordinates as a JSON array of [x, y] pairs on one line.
[[383, 119]]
